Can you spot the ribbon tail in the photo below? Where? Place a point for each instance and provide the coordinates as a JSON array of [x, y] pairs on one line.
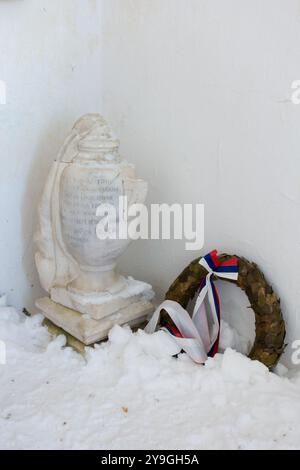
[[193, 348], [191, 343], [152, 325], [200, 318], [214, 316]]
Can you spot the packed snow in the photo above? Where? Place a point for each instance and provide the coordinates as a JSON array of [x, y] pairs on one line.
[[130, 393]]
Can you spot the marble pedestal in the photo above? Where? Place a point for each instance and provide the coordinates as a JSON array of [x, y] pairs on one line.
[[100, 305], [88, 330], [89, 318]]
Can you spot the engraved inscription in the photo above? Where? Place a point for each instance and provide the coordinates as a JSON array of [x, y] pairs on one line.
[[82, 191]]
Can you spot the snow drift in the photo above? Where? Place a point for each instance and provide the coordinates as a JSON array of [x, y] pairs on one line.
[[130, 393]]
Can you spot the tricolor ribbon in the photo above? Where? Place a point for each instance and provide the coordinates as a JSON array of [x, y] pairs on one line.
[[199, 336]]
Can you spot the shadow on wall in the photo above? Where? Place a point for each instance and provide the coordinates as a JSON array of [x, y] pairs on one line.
[[46, 151]]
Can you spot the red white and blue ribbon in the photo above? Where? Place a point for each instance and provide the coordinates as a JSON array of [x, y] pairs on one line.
[[199, 336]]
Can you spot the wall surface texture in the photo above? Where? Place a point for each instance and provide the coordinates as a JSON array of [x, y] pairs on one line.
[[199, 92], [51, 62]]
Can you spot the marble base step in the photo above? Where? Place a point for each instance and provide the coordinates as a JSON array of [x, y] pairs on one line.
[[71, 342], [101, 305], [87, 330]]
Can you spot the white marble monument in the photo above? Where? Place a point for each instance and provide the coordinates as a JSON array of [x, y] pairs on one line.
[[86, 294]]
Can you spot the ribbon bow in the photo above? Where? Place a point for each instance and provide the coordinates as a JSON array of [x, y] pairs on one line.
[[198, 336]]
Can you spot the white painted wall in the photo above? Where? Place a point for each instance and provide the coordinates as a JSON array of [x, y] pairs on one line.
[[199, 92], [50, 54]]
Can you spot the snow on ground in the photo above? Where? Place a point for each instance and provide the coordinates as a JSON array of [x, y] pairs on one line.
[[129, 394]]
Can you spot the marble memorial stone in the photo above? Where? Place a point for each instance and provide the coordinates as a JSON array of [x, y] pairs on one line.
[[76, 268]]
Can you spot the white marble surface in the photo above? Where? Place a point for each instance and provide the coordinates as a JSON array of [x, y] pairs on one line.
[[101, 305], [86, 329], [76, 268]]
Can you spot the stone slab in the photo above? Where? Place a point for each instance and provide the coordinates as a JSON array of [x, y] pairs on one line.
[[71, 341], [86, 329], [101, 305]]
